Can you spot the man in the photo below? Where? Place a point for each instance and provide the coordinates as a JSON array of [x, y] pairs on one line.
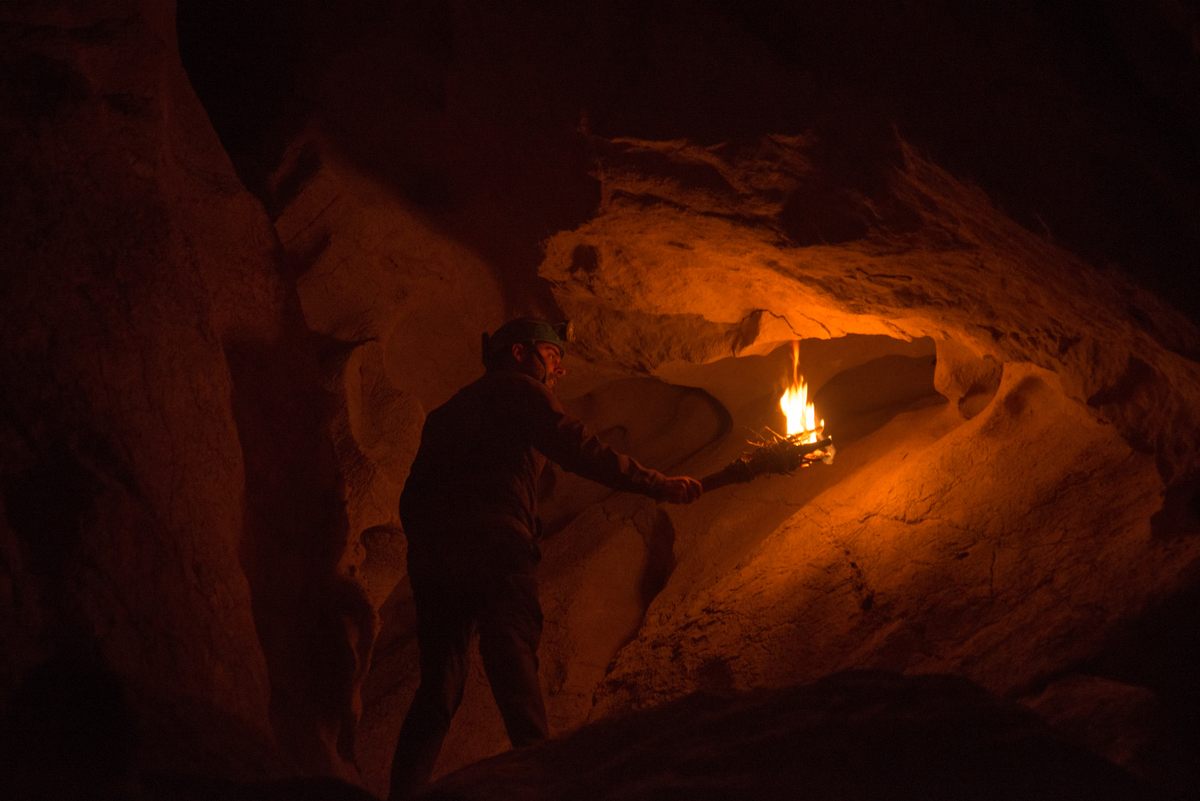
[[469, 511]]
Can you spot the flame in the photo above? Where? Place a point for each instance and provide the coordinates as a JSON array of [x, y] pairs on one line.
[[797, 408]]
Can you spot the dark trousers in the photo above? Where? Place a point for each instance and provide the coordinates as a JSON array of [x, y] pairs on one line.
[[454, 597]]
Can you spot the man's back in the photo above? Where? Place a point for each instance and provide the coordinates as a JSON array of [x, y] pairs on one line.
[[482, 451], [476, 458]]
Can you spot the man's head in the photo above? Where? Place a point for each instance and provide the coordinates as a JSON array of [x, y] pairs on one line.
[[529, 345]]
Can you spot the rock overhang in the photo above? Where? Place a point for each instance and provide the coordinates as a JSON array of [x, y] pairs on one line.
[[689, 259]]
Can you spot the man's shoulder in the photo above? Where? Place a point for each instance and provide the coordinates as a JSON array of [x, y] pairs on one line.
[[492, 382], [513, 381], [518, 396]]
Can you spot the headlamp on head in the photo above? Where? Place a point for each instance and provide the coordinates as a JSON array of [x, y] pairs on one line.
[[523, 331], [565, 331]]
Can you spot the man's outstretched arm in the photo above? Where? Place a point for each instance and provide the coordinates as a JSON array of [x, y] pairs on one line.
[[567, 442], [681, 489]]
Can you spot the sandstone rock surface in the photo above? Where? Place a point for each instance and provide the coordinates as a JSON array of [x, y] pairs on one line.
[[916, 550], [212, 396], [169, 488], [133, 259]]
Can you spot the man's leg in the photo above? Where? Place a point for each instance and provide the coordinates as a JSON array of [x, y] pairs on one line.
[[510, 627], [444, 627]]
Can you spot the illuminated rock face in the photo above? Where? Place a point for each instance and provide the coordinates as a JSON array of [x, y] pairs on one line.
[[1008, 421], [686, 230], [917, 557], [219, 396], [1002, 536]]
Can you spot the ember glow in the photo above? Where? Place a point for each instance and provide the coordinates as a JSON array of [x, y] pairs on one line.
[[800, 413]]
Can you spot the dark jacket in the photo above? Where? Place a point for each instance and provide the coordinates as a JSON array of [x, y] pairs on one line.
[[483, 450]]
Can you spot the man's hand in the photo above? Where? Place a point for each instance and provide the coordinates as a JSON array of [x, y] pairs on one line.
[[681, 489]]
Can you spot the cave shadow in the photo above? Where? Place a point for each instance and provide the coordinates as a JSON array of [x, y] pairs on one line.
[[315, 626], [863, 399], [475, 116], [1160, 650], [69, 733], [855, 734], [659, 539], [75, 729]]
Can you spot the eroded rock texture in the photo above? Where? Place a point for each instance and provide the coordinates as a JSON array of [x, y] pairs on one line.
[[1001, 536], [226, 316], [1013, 327], [171, 515], [124, 480]]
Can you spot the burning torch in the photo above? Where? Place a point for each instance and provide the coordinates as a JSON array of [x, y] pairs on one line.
[[803, 445]]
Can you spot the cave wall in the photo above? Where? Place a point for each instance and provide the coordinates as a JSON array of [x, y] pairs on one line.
[[172, 513], [711, 231], [700, 251], [133, 256], [1069, 427], [229, 313]]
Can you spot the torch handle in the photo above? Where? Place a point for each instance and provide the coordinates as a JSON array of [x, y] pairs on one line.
[[753, 465], [735, 472]]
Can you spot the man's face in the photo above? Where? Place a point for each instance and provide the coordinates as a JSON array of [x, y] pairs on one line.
[[551, 357]]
